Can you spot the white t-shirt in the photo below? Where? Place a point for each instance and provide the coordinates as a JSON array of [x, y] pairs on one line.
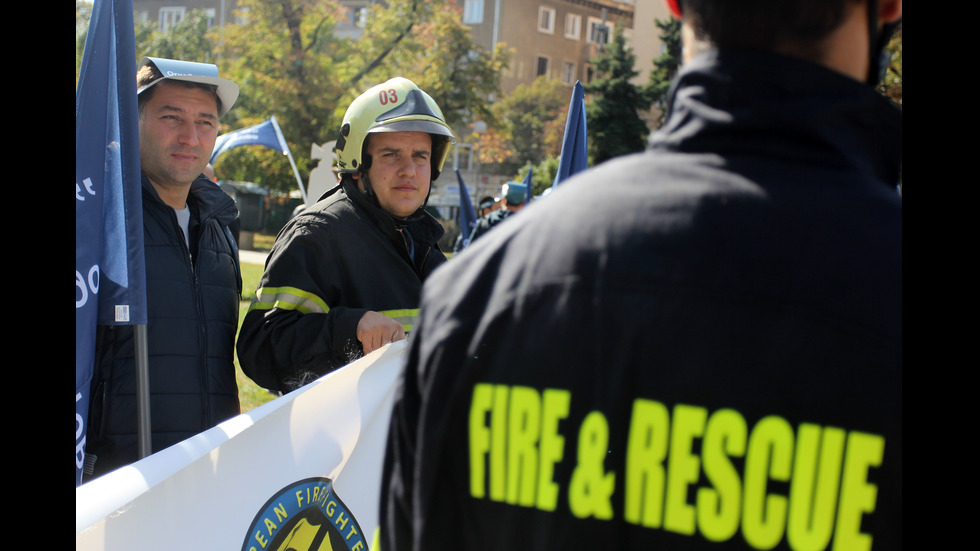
[[184, 220]]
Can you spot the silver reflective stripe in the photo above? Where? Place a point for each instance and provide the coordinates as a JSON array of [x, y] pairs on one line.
[[288, 298]]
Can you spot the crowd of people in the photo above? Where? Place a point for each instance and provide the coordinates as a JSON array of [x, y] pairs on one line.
[[696, 344]]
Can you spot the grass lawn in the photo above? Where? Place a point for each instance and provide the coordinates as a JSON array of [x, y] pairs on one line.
[[249, 394]]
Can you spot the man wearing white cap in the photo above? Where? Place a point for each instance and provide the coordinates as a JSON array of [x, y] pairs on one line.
[[193, 279]]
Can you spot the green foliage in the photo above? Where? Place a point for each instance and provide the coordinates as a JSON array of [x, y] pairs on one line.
[[249, 394], [891, 85], [289, 63], [427, 43], [83, 14], [531, 120], [665, 66], [543, 176], [283, 57], [612, 114], [187, 39]]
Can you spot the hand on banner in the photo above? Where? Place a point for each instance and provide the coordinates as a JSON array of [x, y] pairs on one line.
[[375, 330]]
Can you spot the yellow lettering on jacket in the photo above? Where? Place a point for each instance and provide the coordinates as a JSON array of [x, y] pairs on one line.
[[514, 444], [686, 469]]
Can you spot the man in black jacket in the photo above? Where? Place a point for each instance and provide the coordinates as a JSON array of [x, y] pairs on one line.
[[344, 276], [193, 279], [694, 347]]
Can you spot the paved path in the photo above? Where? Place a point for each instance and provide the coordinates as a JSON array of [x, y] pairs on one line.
[[253, 257]]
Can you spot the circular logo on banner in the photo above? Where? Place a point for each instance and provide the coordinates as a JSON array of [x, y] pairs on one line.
[[305, 516]]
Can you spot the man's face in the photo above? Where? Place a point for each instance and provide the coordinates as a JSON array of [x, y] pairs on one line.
[[177, 132], [400, 170]]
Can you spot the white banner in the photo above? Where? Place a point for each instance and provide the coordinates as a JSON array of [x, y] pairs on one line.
[[301, 472]]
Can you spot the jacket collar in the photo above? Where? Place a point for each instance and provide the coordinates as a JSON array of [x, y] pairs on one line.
[[732, 100], [423, 227], [208, 198]]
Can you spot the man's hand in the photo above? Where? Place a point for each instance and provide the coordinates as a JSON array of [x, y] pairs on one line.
[[375, 330]]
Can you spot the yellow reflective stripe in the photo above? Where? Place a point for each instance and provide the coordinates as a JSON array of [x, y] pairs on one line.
[[405, 316], [291, 298], [288, 298]]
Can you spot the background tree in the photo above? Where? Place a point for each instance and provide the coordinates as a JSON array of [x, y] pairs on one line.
[[284, 57], [289, 63], [612, 113], [665, 66], [186, 39], [388, 26], [427, 43], [543, 176], [83, 14], [531, 120], [891, 85]]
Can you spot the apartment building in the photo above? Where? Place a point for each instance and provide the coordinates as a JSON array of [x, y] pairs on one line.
[[167, 12], [554, 38]]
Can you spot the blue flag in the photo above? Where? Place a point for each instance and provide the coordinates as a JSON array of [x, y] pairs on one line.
[[467, 216], [530, 185], [266, 134], [110, 278], [574, 146]]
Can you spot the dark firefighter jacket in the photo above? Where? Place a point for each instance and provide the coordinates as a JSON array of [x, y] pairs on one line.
[[694, 347], [329, 265]]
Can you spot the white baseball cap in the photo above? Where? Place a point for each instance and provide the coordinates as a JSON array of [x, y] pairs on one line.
[[191, 71]]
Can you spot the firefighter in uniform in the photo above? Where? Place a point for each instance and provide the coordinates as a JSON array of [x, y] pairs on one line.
[[694, 347], [344, 276]]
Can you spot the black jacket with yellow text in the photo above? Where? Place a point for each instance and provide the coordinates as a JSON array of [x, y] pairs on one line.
[[694, 347], [329, 265]]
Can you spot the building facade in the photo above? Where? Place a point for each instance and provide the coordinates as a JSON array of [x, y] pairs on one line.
[[552, 38], [167, 12]]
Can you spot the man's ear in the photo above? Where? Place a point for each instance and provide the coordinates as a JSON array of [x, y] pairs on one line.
[[889, 11], [675, 8]]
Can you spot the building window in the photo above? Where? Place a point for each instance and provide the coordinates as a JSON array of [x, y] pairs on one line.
[[599, 31], [473, 12], [573, 26], [355, 16], [170, 16], [546, 20], [568, 72], [463, 157], [590, 73], [544, 65]]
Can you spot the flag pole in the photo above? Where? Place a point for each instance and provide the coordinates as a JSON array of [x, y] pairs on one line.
[[144, 444], [285, 149]]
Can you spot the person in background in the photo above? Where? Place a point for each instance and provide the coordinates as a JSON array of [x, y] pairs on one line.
[[344, 275], [193, 277], [487, 205], [513, 197], [694, 347]]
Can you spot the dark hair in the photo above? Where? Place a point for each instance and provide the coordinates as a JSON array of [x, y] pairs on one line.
[[149, 74], [764, 24]]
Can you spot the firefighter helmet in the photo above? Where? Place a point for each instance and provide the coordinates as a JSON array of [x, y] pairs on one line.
[[397, 105]]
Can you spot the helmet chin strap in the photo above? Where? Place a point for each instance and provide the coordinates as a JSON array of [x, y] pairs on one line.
[[372, 198]]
